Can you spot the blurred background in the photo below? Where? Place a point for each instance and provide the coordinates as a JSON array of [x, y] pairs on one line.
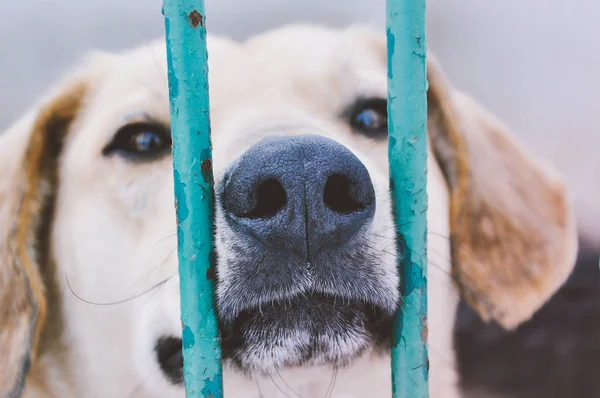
[[534, 63]]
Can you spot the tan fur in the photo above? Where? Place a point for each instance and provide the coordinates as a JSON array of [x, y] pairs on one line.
[[24, 302], [512, 227]]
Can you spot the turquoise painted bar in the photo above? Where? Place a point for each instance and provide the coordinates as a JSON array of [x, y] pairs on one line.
[[407, 121], [193, 178]]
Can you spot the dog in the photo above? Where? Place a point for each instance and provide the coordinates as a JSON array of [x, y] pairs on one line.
[[306, 266]]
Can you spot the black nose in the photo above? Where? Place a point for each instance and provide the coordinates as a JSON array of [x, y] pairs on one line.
[[301, 193]]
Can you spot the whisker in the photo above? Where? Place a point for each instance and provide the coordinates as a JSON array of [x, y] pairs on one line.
[[331, 385], [260, 393], [432, 249], [162, 263], [157, 285], [440, 269], [277, 385], [156, 291], [165, 238], [286, 384]]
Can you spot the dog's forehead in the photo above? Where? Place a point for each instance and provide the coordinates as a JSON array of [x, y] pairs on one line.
[[300, 51], [294, 65]]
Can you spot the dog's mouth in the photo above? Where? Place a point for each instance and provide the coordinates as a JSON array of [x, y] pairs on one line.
[[311, 329]]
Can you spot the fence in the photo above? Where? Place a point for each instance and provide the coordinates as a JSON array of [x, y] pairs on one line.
[[190, 122]]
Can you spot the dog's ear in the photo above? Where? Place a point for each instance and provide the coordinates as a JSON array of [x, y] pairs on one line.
[[28, 181], [513, 238]]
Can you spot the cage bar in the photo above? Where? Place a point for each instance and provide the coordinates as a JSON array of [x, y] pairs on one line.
[[193, 183], [194, 195], [407, 124]]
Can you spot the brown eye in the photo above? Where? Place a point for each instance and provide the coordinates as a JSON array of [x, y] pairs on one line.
[[140, 141], [369, 117]]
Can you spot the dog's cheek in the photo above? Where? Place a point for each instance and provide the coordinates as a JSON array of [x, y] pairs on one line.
[[224, 256], [159, 318], [382, 235], [146, 193]]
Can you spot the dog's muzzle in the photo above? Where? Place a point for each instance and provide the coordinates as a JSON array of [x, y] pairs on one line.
[[302, 283], [298, 280]]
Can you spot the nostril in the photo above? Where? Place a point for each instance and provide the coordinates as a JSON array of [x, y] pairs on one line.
[[300, 194], [339, 195], [270, 199]]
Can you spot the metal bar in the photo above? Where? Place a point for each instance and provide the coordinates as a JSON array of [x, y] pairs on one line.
[[193, 179], [407, 120]]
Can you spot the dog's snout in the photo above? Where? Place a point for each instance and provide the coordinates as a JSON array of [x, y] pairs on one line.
[[301, 193]]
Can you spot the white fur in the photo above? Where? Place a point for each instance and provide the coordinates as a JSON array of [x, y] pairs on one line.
[[113, 235]]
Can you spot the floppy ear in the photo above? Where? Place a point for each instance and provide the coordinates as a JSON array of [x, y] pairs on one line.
[[28, 180], [513, 238]]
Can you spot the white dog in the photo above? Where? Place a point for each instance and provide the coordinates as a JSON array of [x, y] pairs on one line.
[[305, 271]]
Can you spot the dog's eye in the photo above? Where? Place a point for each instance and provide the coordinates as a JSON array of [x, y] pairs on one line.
[[369, 117], [140, 141]]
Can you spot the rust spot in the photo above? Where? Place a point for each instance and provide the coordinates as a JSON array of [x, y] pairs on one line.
[[206, 169], [196, 19], [424, 330], [427, 364], [211, 274]]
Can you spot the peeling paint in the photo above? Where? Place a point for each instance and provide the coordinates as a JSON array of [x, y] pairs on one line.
[[188, 338], [173, 81], [212, 385], [407, 149], [194, 197], [391, 45], [180, 200]]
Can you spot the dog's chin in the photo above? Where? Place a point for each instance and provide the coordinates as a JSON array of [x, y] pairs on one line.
[[311, 329]]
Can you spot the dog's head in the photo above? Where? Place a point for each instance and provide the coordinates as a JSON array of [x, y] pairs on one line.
[[306, 260]]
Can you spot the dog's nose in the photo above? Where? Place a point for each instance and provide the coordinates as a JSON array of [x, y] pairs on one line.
[[299, 194]]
